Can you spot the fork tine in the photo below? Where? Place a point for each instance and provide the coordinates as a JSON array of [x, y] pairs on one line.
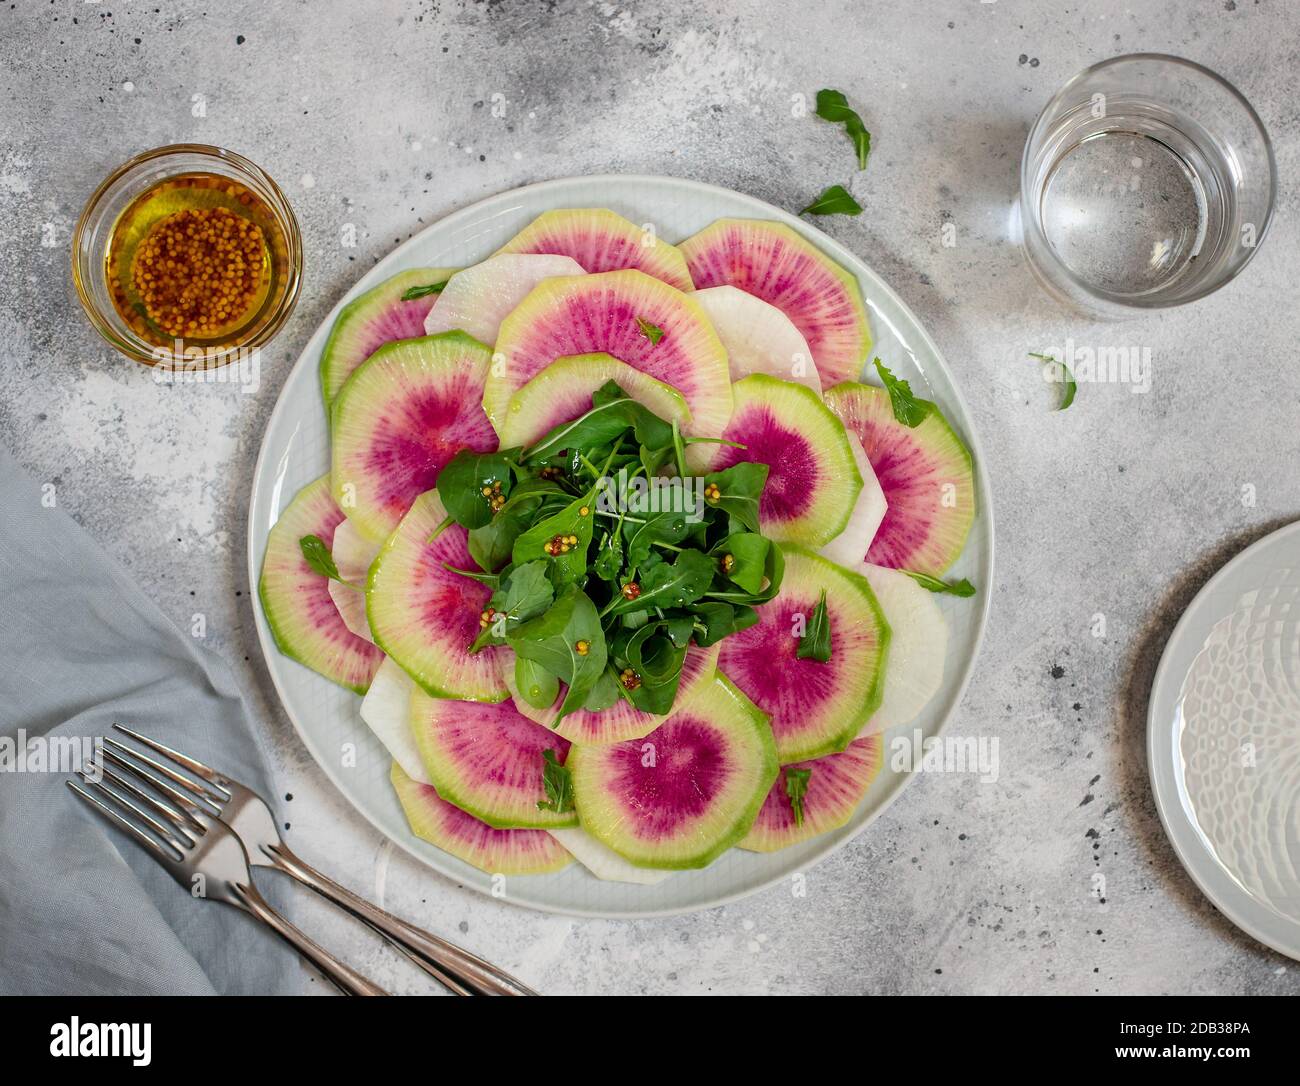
[[183, 821], [190, 786], [130, 827], [183, 800], [192, 764]]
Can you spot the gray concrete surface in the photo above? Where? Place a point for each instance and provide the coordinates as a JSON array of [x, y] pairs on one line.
[[380, 115]]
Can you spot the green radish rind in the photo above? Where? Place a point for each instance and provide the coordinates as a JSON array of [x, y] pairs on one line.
[[498, 852], [296, 599], [743, 731], [407, 581], [916, 499], [372, 319], [815, 708], [509, 755], [769, 403]]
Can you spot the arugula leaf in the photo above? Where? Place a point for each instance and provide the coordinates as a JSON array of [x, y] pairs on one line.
[[657, 662], [1071, 385], [796, 787], [463, 480], [674, 584], [833, 106], [570, 531], [836, 200], [558, 782], [667, 527], [908, 410], [816, 641], [525, 594], [536, 685], [714, 620], [411, 293], [318, 557], [609, 557], [652, 332], [742, 558], [934, 584], [605, 692], [568, 642], [605, 422], [740, 487]]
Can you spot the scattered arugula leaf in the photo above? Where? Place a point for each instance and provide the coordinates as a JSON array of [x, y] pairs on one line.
[[558, 782], [411, 293], [835, 200], [833, 106], [318, 557], [652, 332], [523, 595], [1064, 375], [739, 489], [908, 410], [953, 588], [816, 641], [796, 787], [742, 557]]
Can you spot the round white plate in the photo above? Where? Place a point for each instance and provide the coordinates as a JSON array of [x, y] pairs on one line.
[[1223, 740], [295, 450]]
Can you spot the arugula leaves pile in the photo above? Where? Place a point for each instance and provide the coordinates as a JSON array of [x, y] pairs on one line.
[[605, 559]]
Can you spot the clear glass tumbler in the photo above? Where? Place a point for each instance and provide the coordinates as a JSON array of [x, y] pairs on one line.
[[1147, 181]]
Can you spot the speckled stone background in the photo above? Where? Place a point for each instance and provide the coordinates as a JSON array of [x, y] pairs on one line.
[[380, 115]]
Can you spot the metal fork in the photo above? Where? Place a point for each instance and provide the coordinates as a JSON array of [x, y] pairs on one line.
[[193, 844], [252, 821]]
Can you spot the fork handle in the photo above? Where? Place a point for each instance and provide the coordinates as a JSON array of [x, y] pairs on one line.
[[457, 969], [345, 978]]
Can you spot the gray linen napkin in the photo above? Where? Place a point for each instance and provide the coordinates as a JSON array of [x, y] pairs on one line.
[[83, 909]]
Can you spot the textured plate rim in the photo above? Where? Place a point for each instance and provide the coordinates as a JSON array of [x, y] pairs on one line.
[[1192, 852], [388, 265]]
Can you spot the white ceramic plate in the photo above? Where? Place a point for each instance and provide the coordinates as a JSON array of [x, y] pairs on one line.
[[1223, 740], [295, 450]]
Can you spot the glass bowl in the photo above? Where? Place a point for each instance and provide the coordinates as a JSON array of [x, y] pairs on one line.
[[92, 246]]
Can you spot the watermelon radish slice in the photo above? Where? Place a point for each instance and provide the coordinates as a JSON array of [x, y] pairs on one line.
[[296, 599], [835, 787], [620, 721], [918, 644], [812, 482], [926, 474], [386, 711], [424, 616], [377, 317], [852, 543], [477, 299], [816, 708], [601, 241], [350, 599], [774, 263], [352, 553], [399, 418], [487, 760], [498, 852], [562, 392], [685, 793], [759, 338], [602, 861], [612, 313]]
